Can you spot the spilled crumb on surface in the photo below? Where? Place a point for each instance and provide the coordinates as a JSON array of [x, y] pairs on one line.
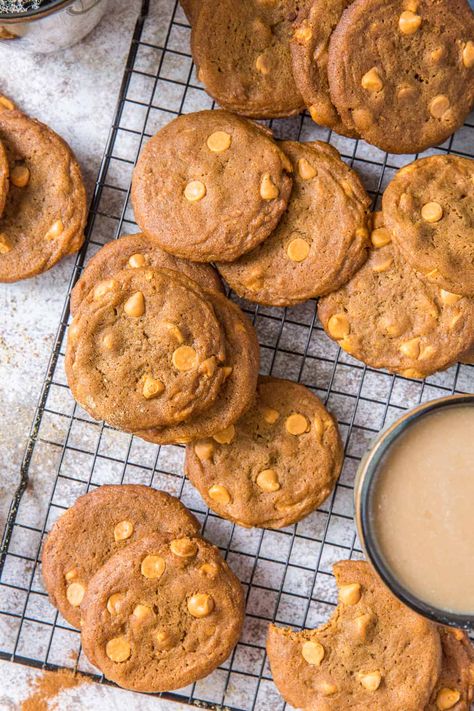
[[46, 687]]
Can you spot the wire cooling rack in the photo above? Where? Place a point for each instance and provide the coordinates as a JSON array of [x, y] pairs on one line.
[[287, 573]]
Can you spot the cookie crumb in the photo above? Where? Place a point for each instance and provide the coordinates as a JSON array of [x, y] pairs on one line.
[[46, 687]]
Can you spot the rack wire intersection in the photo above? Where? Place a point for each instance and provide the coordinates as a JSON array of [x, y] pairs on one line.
[[287, 573]]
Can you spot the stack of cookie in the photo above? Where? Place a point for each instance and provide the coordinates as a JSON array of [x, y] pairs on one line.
[[42, 197], [410, 309], [155, 348], [398, 73], [157, 606], [374, 653], [284, 221]]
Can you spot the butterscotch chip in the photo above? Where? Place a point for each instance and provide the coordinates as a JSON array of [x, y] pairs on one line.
[[468, 54], [447, 698], [306, 170], [123, 530], [395, 669], [118, 649], [204, 450], [262, 64], [411, 348], [256, 480], [198, 212], [136, 261], [135, 305], [219, 494], [82, 540], [108, 340], [376, 47], [104, 287], [447, 297], [302, 34], [152, 566], [219, 141], [142, 612], [296, 424], [200, 605], [20, 176], [432, 212], [362, 624], [267, 480], [435, 189], [298, 249], [5, 245], [350, 594], [225, 436], [114, 602], [370, 681], [209, 570], [268, 189], [163, 639], [409, 22], [339, 326], [55, 230], [6, 103], [184, 547], [320, 242], [75, 593], [380, 237], [372, 81], [147, 380], [313, 653]]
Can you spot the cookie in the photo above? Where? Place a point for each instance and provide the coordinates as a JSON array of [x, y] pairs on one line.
[[453, 690], [401, 72], [145, 350], [373, 653], [321, 240], [238, 391], [309, 51], [162, 613], [280, 461], [243, 55], [429, 208], [389, 317], [134, 251], [190, 8], [4, 175], [45, 210], [210, 186], [99, 524]]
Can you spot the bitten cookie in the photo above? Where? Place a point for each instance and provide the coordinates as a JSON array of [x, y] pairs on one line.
[[373, 653], [99, 524], [309, 50], [389, 317], [321, 240], [132, 252], [277, 464], [401, 72], [243, 55], [45, 210], [4, 175], [145, 349], [162, 613], [210, 186], [429, 208], [454, 688], [238, 391]]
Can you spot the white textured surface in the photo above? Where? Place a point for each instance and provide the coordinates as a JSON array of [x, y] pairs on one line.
[[75, 93]]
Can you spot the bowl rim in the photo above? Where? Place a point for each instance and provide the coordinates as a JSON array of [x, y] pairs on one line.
[[364, 487], [50, 8]]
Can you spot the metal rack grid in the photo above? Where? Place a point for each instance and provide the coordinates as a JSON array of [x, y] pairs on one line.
[[286, 573]]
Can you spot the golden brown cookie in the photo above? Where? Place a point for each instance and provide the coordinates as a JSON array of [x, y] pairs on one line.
[[389, 317], [210, 186], [145, 350], [401, 72], [4, 175], [99, 524], [373, 653], [309, 50], [277, 464], [453, 690], [132, 252], [429, 208], [321, 240], [162, 613], [242, 52], [238, 391], [45, 210]]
